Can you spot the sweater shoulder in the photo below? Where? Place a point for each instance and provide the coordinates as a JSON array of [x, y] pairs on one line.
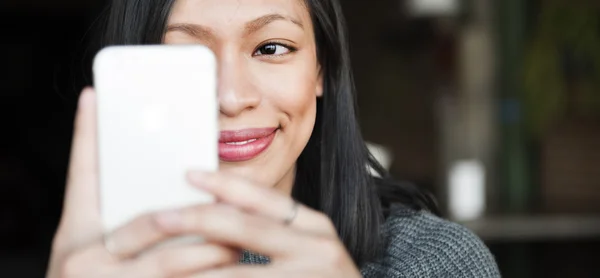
[[419, 244]]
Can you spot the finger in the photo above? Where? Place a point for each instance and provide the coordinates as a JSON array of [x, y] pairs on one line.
[[183, 260], [81, 214], [232, 227], [246, 271], [139, 235], [241, 193]]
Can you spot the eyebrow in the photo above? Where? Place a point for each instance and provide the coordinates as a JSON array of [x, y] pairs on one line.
[[193, 30], [265, 20], [253, 26]]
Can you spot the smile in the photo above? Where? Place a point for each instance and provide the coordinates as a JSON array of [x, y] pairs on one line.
[[246, 144]]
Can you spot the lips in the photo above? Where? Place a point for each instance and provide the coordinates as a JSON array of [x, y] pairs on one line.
[[246, 144]]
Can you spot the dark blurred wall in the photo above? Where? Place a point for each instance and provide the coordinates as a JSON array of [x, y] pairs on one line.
[[41, 47], [394, 61]]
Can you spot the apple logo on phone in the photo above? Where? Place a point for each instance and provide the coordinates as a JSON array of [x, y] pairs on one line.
[[155, 117]]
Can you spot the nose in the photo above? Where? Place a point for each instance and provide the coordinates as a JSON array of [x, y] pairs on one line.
[[236, 92]]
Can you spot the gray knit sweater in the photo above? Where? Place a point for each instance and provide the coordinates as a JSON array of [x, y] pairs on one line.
[[420, 244]]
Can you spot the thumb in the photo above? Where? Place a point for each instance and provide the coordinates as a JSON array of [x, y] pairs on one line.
[[80, 222]]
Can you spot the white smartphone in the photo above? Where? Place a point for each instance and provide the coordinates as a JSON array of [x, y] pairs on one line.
[[157, 118]]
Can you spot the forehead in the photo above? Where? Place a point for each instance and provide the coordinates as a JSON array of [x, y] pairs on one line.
[[231, 13]]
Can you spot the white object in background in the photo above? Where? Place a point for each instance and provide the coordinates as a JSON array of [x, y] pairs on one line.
[[466, 190], [382, 154], [433, 7]]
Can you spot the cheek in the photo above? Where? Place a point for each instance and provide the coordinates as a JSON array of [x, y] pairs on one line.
[[290, 90]]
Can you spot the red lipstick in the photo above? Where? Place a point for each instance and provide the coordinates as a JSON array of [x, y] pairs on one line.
[[246, 144]]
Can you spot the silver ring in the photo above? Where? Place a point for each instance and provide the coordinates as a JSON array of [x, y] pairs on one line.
[[293, 213]]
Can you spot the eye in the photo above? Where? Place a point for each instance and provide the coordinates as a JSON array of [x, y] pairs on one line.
[[274, 49]]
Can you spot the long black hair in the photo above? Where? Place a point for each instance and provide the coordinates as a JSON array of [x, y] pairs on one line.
[[332, 172]]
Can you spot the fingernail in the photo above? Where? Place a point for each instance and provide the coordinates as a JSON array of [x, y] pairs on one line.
[[169, 220]]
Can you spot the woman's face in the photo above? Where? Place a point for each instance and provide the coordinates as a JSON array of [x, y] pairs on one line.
[[268, 80]]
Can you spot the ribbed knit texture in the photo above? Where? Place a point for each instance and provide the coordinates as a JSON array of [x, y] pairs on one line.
[[420, 244]]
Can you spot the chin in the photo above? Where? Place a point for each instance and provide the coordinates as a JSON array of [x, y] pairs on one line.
[[263, 172], [254, 172]]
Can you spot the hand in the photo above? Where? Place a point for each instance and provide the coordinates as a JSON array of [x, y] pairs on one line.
[[78, 249], [252, 218]]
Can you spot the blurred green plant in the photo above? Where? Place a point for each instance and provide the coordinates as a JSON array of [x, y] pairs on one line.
[[562, 64]]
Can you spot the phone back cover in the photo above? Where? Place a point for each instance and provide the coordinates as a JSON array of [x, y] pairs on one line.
[[157, 118]]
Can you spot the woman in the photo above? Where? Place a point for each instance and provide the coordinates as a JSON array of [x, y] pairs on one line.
[[284, 74]]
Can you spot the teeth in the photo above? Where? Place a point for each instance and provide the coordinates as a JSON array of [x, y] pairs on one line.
[[241, 143]]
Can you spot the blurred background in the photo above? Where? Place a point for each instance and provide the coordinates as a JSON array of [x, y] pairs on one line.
[[492, 105]]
